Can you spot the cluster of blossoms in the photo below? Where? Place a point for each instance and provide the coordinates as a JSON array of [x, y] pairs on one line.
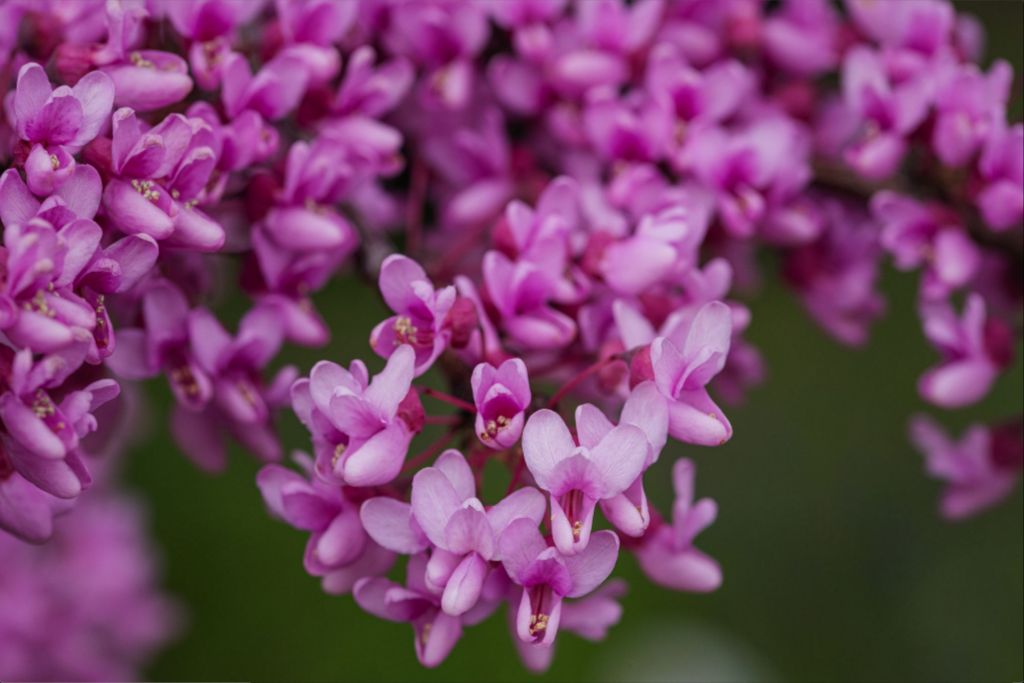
[[582, 191]]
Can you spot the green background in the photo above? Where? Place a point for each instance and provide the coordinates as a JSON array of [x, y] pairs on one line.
[[836, 565]]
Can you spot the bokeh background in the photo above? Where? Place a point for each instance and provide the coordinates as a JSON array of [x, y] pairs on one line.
[[836, 565]]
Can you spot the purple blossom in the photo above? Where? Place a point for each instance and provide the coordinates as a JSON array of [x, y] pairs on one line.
[[464, 534], [144, 80], [918, 234], [646, 409], [90, 598], [1001, 168], [682, 365], [501, 396], [969, 108], [57, 122], [980, 469], [548, 576], [415, 603], [361, 429], [666, 553], [40, 435], [420, 312], [603, 465], [974, 346], [338, 551], [161, 174], [521, 293], [589, 617]]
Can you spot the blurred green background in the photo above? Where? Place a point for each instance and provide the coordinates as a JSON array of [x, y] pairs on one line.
[[836, 565]]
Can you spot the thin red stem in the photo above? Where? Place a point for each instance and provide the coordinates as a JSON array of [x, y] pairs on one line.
[[430, 451], [446, 420], [516, 473], [449, 399], [414, 207], [578, 379]]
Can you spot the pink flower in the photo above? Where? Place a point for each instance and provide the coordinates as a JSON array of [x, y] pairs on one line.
[[667, 554], [548, 576], [521, 293], [57, 123], [646, 409], [683, 364], [502, 396], [361, 432], [919, 234], [975, 349], [161, 174], [602, 466], [464, 533], [338, 550], [979, 469], [1001, 167], [420, 312], [415, 603]]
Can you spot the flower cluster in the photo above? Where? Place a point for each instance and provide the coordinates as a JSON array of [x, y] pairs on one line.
[[562, 204], [87, 599]]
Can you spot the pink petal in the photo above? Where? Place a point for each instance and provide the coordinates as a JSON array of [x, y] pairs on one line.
[[527, 503], [390, 523], [591, 425], [546, 442], [377, 461], [592, 566], [463, 589], [434, 501], [619, 458]]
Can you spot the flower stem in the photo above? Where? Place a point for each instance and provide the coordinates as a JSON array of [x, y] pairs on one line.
[[449, 399], [430, 451], [578, 379], [446, 420]]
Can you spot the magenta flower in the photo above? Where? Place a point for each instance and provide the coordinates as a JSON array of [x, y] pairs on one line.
[[162, 345], [667, 554], [750, 171], [368, 89], [161, 174], [272, 92], [975, 349], [302, 219], [887, 111], [501, 396], [26, 511], [40, 436], [548, 576], [38, 307], [646, 409], [57, 123], [464, 534], [970, 107], [929, 235], [361, 429], [980, 469], [338, 550], [420, 312], [683, 364], [1001, 167], [665, 242], [521, 293], [436, 630], [803, 36], [242, 403], [97, 582], [144, 80], [589, 617], [602, 466]]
